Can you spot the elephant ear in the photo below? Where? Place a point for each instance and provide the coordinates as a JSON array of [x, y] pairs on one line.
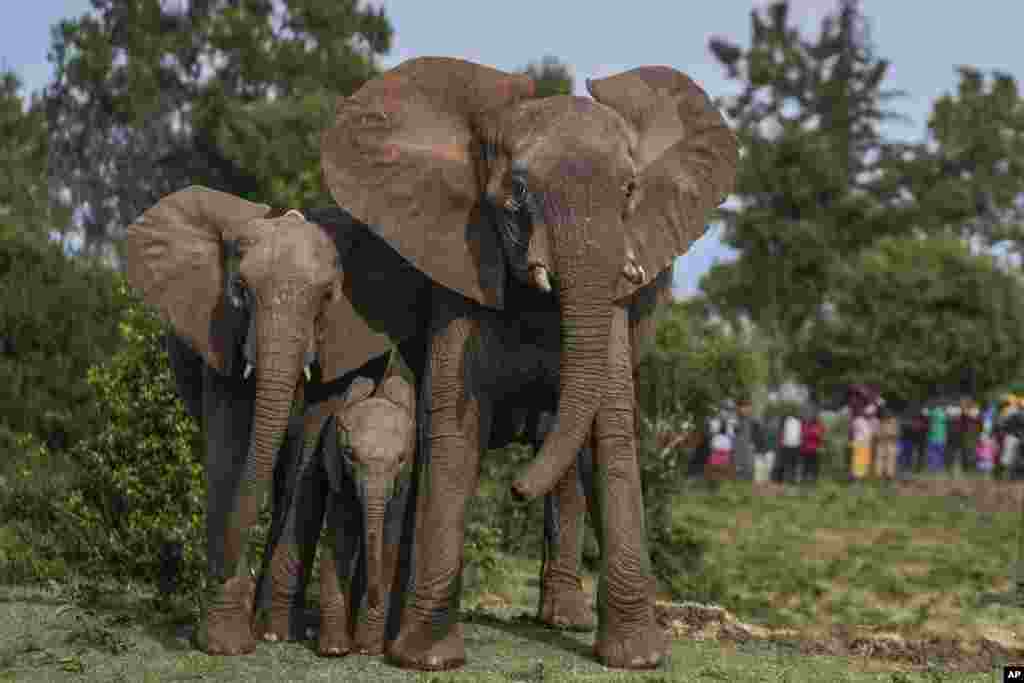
[[174, 257], [686, 160], [397, 390], [400, 158]]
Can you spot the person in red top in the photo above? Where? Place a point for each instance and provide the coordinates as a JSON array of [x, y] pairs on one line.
[[812, 435]]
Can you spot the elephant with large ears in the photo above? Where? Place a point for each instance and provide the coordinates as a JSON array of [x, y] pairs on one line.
[[536, 223], [253, 296]]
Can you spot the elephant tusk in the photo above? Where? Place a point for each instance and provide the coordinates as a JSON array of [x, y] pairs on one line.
[[294, 212], [634, 273], [247, 371], [307, 373], [540, 278]]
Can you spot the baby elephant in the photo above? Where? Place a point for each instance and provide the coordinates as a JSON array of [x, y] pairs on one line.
[[362, 439]]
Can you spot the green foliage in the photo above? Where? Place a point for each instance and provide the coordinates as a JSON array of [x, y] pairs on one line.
[[24, 205], [550, 76], [809, 185], [229, 95], [139, 478], [693, 367], [919, 317], [58, 316]]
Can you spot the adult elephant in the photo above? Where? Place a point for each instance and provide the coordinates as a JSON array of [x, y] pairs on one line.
[[532, 223], [253, 298]]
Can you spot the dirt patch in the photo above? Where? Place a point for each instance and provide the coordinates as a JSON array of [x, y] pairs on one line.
[[984, 495], [694, 621], [981, 494]]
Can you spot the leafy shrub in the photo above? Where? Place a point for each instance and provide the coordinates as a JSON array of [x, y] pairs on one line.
[[139, 479], [58, 316]]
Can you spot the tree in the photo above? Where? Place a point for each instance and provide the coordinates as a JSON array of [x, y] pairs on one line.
[[918, 317], [552, 77], [58, 316], [808, 187], [25, 208], [150, 97], [968, 179]]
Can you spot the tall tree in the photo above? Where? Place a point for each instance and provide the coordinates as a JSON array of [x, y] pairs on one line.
[[150, 96], [918, 317], [807, 119], [551, 76], [25, 208], [968, 177]]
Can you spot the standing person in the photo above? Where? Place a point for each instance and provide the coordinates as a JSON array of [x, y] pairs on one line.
[[720, 465], [812, 434], [748, 440], [790, 444], [872, 414], [936, 438], [919, 437], [886, 444], [904, 463], [860, 445], [971, 426]]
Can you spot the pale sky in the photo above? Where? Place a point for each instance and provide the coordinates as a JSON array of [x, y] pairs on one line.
[[924, 40]]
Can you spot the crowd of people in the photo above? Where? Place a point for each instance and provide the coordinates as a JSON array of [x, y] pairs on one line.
[[953, 437]]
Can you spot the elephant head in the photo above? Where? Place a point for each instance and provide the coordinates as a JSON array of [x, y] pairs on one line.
[[376, 432], [230, 275], [472, 181]]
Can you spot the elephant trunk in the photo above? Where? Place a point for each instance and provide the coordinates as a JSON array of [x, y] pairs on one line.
[[279, 358], [376, 583], [586, 315]]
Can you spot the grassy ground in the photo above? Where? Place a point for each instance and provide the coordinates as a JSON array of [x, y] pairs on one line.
[[833, 584]]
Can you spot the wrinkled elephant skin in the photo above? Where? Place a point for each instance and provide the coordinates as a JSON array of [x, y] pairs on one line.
[[531, 223]]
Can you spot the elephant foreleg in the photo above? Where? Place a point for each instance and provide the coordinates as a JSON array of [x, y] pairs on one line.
[[628, 636], [563, 603], [430, 635], [337, 566], [227, 404], [298, 512]]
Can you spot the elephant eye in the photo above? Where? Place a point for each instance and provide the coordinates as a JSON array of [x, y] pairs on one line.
[[517, 199], [629, 188]]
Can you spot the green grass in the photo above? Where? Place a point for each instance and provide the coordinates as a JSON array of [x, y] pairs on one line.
[[122, 637], [855, 556], [833, 559]]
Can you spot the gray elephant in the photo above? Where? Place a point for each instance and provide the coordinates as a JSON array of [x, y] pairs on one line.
[[502, 227]]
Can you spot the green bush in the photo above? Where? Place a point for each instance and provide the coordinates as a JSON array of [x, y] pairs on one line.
[[58, 316], [139, 479]]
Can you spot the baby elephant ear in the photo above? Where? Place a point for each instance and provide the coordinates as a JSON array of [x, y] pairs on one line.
[[359, 390], [686, 158], [174, 258], [400, 158], [397, 389]]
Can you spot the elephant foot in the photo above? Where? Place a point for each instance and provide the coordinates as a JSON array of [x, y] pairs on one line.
[[226, 626], [566, 606], [333, 642], [632, 648], [416, 647], [369, 635], [280, 624], [334, 637]]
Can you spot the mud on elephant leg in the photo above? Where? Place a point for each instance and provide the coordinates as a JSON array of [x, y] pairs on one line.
[[225, 626], [300, 490], [628, 635], [430, 636], [337, 561], [563, 602]]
